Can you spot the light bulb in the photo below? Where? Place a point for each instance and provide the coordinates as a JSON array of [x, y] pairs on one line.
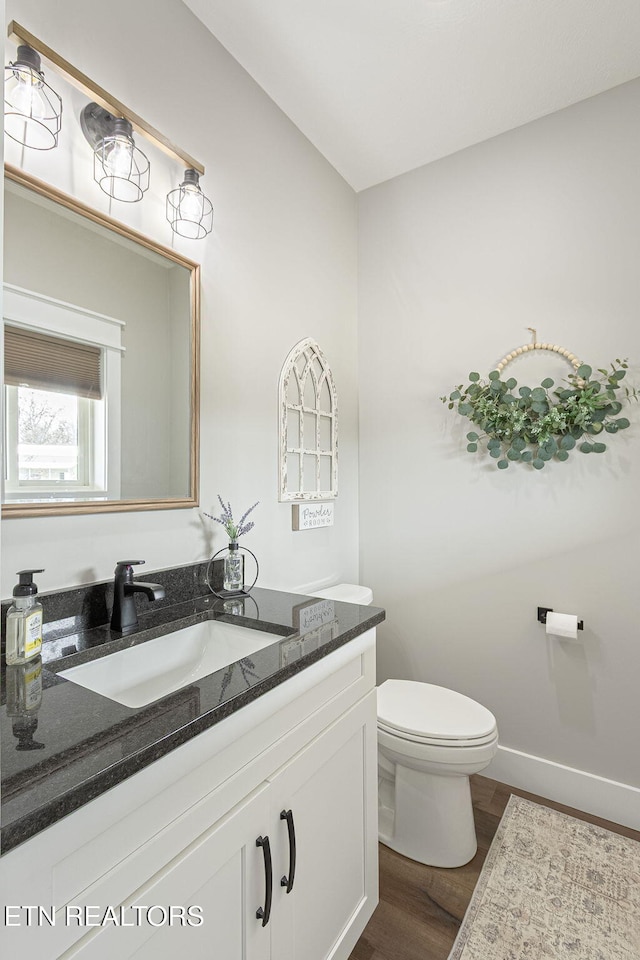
[[191, 202], [188, 210], [117, 157], [26, 97]]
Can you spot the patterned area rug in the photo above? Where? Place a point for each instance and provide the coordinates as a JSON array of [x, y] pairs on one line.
[[553, 888]]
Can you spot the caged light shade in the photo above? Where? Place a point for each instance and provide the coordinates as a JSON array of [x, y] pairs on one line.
[[189, 212], [120, 168], [32, 109]]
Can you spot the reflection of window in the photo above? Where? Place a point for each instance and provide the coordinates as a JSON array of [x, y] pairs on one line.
[[50, 440], [62, 400], [308, 427]]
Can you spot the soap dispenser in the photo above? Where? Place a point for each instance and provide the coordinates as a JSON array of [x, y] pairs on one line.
[[24, 620]]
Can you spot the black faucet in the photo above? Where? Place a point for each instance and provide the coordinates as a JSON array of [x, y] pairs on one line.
[[124, 616]]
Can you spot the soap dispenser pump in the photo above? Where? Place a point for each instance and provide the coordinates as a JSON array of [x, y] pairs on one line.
[[24, 620]]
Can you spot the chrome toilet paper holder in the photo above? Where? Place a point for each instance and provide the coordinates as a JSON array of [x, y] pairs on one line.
[[542, 616]]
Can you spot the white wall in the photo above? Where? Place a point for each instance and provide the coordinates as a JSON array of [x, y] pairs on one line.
[[539, 227], [279, 266]]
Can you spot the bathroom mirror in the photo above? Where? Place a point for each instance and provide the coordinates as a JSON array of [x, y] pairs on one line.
[[101, 361]]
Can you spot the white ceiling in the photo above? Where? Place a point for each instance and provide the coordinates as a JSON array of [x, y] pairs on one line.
[[383, 86]]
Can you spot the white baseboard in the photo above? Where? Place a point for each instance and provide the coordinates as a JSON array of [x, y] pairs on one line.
[[609, 799]]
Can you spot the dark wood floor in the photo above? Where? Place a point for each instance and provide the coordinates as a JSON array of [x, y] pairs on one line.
[[421, 908]]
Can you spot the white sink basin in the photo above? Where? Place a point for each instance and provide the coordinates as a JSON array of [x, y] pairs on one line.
[[144, 673]]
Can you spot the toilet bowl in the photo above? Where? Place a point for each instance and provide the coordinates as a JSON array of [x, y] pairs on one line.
[[430, 740]]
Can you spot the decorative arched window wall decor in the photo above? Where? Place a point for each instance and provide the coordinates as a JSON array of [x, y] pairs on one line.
[[308, 426]]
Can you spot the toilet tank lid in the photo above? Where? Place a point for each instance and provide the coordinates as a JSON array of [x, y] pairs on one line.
[[346, 592], [426, 710]]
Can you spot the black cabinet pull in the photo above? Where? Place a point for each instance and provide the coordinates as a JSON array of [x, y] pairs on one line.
[[263, 913], [288, 881]]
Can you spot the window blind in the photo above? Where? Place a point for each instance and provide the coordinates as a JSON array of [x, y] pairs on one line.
[[43, 362]]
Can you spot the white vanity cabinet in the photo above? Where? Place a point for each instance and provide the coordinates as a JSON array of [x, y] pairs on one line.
[[299, 761]]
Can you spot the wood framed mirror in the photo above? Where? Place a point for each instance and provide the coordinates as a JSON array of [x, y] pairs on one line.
[[101, 374]]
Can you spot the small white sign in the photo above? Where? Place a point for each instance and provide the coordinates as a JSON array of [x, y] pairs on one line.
[[308, 516]]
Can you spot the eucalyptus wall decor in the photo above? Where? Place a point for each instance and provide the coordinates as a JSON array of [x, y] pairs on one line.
[[537, 424]]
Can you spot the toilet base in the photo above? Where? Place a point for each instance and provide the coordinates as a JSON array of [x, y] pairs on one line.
[[427, 817]]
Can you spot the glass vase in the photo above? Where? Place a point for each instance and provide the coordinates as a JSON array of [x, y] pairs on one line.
[[233, 579]]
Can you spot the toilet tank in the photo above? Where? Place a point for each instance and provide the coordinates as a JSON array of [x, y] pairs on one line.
[[347, 592]]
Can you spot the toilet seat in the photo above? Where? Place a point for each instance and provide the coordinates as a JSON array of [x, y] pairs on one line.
[[460, 743], [429, 714]]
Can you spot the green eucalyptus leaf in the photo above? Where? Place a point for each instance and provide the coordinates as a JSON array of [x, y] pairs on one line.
[[535, 426]]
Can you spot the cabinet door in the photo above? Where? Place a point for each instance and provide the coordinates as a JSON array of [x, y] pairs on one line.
[[330, 789], [223, 873]]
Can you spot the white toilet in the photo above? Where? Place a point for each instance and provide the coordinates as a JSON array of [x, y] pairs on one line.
[[430, 739]]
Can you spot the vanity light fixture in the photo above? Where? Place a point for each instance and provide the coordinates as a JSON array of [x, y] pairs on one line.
[[32, 109], [189, 212], [120, 168]]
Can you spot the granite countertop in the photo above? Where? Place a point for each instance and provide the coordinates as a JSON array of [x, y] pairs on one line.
[[77, 743]]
